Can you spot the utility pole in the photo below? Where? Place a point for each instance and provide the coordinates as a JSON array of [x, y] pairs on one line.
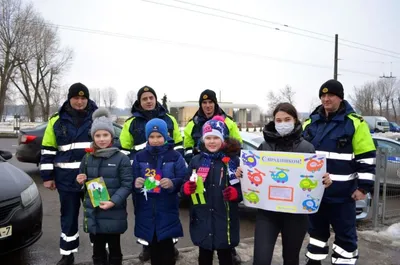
[[220, 97], [335, 63]]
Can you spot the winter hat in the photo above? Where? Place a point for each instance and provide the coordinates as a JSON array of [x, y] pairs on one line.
[[208, 94], [102, 121], [216, 126], [157, 125], [78, 89], [333, 87], [146, 89]]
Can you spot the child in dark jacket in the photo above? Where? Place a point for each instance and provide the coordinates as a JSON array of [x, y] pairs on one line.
[[107, 221], [159, 171], [215, 192], [283, 134]]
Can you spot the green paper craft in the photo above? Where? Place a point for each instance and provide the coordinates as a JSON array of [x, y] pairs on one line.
[[199, 189], [97, 191]]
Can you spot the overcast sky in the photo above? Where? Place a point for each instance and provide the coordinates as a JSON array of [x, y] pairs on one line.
[[181, 53]]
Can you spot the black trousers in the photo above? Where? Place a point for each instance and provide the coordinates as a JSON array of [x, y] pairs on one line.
[[114, 245], [293, 228], [224, 256], [162, 252]]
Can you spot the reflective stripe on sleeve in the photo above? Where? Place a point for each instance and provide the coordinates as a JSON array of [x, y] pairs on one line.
[[336, 177], [46, 166], [70, 165], [67, 147], [366, 176], [338, 156], [47, 152]]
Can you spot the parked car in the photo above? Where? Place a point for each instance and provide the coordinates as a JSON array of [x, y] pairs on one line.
[[251, 141], [30, 142], [393, 160], [20, 208], [394, 127]]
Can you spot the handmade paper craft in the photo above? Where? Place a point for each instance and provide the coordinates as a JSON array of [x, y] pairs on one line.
[[97, 191], [281, 181], [151, 182], [199, 193]]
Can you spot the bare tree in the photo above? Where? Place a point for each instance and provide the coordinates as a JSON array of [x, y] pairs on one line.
[[385, 87], [130, 98], [314, 103], [286, 94], [363, 98], [109, 96], [58, 96], [14, 21], [95, 95]]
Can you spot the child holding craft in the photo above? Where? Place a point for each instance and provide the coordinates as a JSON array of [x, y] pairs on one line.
[[282, 134], [159, 171], [213, 187]]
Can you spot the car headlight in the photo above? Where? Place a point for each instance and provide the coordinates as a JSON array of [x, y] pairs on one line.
[[29, 195]]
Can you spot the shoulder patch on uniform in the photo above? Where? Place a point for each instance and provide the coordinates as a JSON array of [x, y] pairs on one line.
[[355, 115], [54, 115]]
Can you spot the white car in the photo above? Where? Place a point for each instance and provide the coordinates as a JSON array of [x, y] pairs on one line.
[[251, 141]]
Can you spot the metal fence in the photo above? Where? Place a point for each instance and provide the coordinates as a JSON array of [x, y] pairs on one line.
[[386, 197]]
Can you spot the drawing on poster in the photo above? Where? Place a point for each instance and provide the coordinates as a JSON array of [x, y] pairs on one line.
[[279, 193], [307, 184], [281, 181], [251, 196], [256, 176], [314, 163], [250, 159], [311, 204], [280, 175]]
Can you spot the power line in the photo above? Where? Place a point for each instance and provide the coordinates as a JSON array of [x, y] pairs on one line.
[[275, 23], [201, 47]]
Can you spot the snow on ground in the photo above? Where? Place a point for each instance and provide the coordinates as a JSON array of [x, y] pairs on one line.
[[388, 236]]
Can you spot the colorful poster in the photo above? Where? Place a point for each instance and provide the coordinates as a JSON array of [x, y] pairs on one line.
[[152, 181], [97, 191], [282, 182]]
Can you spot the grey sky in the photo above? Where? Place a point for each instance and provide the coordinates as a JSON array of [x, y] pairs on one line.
[[183, 71]]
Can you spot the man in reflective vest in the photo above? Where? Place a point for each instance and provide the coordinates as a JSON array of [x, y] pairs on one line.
[[63, 147], [208, 108], [343, 136], [133, 138], [145, 108]]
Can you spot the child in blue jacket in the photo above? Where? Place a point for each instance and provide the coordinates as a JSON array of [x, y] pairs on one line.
[[214, 218], [159, 171]]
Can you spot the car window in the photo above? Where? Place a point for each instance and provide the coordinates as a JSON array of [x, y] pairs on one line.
[[393, 148], [41, 126], [248, 146], [117, 131]]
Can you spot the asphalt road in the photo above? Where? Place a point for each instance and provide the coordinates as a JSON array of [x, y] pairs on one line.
[[46, 250]]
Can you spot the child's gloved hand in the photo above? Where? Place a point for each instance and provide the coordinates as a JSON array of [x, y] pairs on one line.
[[139, 182], [189, 187], [230, 194]]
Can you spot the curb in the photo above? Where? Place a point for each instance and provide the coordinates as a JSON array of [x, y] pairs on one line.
[[8, 135], [181, 251]]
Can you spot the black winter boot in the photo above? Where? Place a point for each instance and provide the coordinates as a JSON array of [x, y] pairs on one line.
[[313, 262], [100, 261], [115, 261], [145, 254], [67, 260]]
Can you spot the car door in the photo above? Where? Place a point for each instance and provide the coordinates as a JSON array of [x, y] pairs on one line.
[[393, 161]]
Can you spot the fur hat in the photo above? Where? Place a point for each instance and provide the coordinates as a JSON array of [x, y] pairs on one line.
[[217, 127], [157, 125], [102, 121]]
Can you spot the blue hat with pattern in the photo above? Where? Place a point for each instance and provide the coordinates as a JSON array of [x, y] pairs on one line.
[[157, 125]]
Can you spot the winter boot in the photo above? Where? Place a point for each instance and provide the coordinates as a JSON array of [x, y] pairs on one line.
[[313, 262], [67, 260], [115, 261], [235, 257], [145, 254], [99, 260]]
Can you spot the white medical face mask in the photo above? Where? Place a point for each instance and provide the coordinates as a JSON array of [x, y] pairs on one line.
[[284, 128]]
